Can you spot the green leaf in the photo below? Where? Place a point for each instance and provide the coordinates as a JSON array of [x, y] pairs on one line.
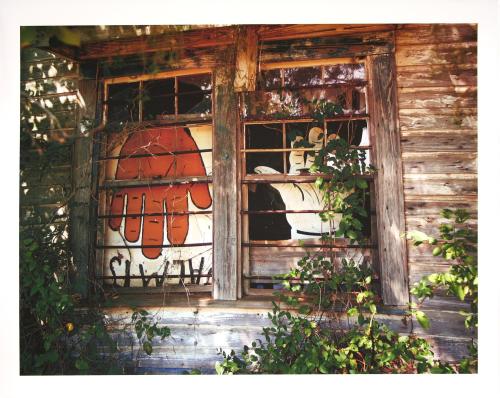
[[322, 368], [422, 319], [437, 251], [81, 364], [460, 292], [352, 311], [362, 184], [147, 347]]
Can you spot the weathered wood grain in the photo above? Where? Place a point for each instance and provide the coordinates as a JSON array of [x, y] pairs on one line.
[[422, 122], [432, 206], [429, 224], [435, 33], [80, 231], [326, 47], [432, 54], [281, 32], [440, 184], [420, 268], [428, 141], [225, 177], [207, 37], [270, 261], [437, 97], [246, 59], [444, 75], [389, 192], [439, 162]]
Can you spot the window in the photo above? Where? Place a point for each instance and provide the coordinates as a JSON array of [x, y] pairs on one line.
[[281, 136], [155, 183], [170, 217]]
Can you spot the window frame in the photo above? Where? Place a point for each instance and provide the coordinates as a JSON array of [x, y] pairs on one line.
[[246, 179], [234, 68], [177, 120]]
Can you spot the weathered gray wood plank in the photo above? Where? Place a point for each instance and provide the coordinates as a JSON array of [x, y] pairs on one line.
[[246, 58], [440, 184], [80, 232], [425, 141], [388, 182], [435, 33], [431, 54], [439, 162], [225, 179]]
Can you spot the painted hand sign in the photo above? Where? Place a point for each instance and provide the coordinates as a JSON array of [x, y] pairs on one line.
[[304, 196], [171, 152]]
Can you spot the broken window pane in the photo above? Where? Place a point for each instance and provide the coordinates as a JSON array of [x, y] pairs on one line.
[[158, 98], [123, 103], [300, 77], [344, 73], [270, 79]]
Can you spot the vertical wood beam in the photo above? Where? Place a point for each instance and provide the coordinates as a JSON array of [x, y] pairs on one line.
[[389, 180], [82, 177], [225, 179], [246, 58]]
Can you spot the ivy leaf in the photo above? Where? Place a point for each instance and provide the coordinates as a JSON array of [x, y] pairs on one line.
[[147, 347], [362, 184], [422, 319], [81, 364]]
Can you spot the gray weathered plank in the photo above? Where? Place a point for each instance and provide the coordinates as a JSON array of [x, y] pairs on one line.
[[441, 75], [431, 54], [425, 141], [225, 179], [246, 58], [435, 33], [439, 162], [440, 184], [437, 97], [82, 180], [388, 182]]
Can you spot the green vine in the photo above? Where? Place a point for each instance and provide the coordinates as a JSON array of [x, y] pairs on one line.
[[325, 321], [457, 243]]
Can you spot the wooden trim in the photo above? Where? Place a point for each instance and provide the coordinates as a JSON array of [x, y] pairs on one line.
[[80, 225], [154, 182], [225, 179], [246, 59], [156, 76], [310, 62], [296, 31], [389, 179], [199, 38]]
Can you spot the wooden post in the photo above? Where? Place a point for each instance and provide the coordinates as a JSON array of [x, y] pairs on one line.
[[389, 180], [246, 58], [225, 179], [82, 178]]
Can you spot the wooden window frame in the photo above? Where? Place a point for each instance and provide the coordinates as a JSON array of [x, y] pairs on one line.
[[234, 69], [246, 179], [100, 156]]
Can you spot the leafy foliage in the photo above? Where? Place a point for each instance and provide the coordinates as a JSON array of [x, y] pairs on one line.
[[337, 334], [59, 333], [458, 244], [326, 323], [146, 330]]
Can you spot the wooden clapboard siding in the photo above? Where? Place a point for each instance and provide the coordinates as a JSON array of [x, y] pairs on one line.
[[447, 141], [437, 97], [198, 332], [45, 186]]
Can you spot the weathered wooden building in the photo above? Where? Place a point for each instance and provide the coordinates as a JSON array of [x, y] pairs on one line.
[[198, 239]]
